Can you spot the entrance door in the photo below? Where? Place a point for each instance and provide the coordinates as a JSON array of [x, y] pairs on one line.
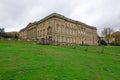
[[82, 42], [43, 41], [49, 40]]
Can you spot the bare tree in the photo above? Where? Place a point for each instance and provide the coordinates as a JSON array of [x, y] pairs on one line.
[[107, 33], [116, 36]]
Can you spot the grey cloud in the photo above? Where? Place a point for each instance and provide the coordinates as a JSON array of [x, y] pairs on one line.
[[16, 14]]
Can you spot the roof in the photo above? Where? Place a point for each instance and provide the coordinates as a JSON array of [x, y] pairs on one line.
[[22, 29], [62, 17]]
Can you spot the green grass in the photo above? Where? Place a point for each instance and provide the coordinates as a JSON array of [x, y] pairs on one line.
[[25, 61], [112, 50]]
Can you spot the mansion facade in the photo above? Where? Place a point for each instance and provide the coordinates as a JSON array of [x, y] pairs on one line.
[[56, 29]]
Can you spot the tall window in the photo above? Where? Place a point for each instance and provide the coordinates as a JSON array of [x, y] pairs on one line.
[[59, 29], [63, 29], [43, 31], [66, 30], [56, 38], [56, 27], [49, 30]]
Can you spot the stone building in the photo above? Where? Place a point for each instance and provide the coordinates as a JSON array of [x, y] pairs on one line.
[[56, 29]]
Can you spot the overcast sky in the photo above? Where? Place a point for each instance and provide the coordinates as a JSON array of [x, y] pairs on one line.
[[16, 14]]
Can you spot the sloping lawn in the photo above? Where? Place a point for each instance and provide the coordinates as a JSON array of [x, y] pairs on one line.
[[25, 61]]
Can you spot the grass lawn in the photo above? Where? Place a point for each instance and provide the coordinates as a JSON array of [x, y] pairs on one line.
[[25, 61]]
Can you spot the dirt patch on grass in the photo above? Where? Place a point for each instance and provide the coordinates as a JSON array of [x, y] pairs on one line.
[[106, 69], [43, 67], [22, 71], [115, 54], [98, 76]]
